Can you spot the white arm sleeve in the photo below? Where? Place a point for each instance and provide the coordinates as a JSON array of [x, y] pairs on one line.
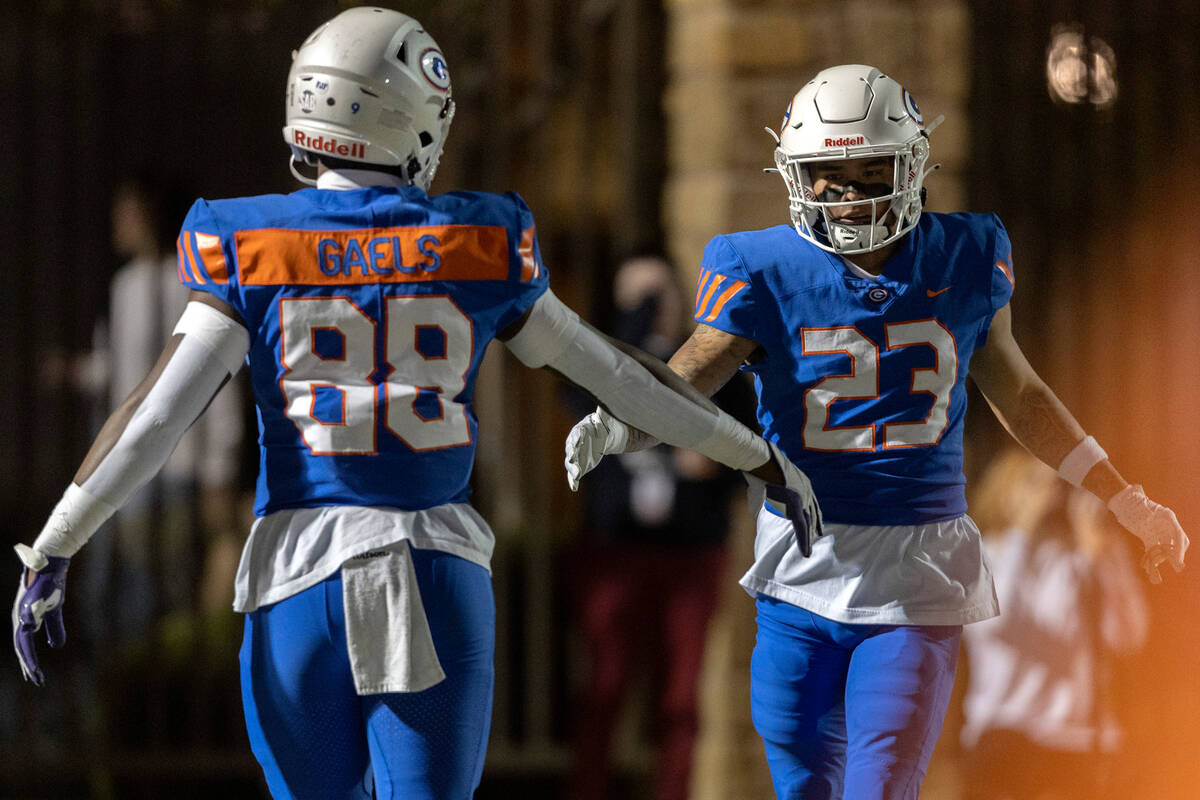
[[212, 348], [553, 336]]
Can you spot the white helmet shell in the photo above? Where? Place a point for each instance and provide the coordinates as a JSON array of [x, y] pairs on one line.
[[845, 112], [370, 86]]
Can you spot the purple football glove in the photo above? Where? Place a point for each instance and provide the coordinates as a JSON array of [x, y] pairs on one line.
[[794, 499], [38, 601]]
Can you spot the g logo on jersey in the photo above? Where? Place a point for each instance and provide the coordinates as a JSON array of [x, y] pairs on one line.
[[910, 107], [433, 67]]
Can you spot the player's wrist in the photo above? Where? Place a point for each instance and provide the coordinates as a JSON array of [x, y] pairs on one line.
[[769, 471], [76, 516], [1079, 462], [735, 445], [1105, 482]]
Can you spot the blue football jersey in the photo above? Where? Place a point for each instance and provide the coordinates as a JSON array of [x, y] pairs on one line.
[[862, 382], [369, 311]]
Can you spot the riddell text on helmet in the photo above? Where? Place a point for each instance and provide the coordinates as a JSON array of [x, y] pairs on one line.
[[329, 145], [845, 141]]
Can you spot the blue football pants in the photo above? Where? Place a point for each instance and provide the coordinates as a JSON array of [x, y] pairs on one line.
[[848, 711], [316, 739]]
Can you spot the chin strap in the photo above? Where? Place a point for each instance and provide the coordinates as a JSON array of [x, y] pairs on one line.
[[292, 165], [774, 136]]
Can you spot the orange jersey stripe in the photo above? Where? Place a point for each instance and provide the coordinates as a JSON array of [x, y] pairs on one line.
[[723, 299], [271, 256], [190, 266], [1006, 268], [212, 257], [712, 287], [179, 253], [704, 276], [529, 265]]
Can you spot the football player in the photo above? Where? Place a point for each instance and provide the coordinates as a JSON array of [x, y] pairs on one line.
[[363, 307], [858, 322]]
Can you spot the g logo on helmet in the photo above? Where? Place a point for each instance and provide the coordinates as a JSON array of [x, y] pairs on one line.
[[433, 67], [910, 107]]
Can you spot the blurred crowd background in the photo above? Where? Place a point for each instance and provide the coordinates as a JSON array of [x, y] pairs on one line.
[[634, 128]]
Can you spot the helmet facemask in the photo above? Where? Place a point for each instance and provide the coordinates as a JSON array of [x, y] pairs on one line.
[[894, 206]]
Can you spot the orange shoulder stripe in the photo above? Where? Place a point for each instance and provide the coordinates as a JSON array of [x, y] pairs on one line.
[[700, 281], [529, 265], [179, 255], [736, 287], [1006, 268], [717, 280], [212, 257], [190, 266]]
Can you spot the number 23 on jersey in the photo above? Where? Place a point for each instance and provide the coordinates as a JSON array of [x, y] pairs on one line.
[[862, 383], [327, 351]]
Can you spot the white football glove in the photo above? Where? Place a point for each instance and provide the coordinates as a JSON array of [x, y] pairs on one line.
[[1155, 525], [794, 500], [593, 437]]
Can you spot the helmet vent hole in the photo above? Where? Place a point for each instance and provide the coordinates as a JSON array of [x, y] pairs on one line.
[[425, 138], [403, 53], [367, 92]]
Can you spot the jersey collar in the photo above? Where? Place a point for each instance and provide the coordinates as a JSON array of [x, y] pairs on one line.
[[343, 179], [855, 269]]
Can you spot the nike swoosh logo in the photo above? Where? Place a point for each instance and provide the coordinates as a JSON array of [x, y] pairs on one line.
[[931, 293]]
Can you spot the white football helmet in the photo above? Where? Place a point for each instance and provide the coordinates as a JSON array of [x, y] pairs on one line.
[[369, 86], [854, 111]]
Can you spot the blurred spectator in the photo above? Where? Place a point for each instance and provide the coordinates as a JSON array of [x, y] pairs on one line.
[[1039, 721], [649, 563], [174, 545]]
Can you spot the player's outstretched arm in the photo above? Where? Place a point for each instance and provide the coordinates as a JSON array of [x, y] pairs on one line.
[[1037, 419], [207, 347], [642, 391], [705, 363]]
